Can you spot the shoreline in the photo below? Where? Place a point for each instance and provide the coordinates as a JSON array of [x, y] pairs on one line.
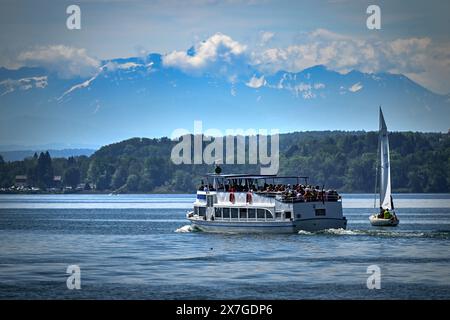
[[167, 192]]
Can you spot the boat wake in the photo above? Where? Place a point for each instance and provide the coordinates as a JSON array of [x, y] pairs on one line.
[[343, 232], [305, 233], [186, 228], [338, 232], [379, 233]]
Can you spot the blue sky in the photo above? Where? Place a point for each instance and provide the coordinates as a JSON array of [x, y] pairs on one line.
[[268, 35]]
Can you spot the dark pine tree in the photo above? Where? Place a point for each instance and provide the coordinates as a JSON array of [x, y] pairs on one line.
[[44, 170]]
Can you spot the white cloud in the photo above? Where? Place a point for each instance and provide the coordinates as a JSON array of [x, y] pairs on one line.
[[419, 58], [66, 61], [328, 35], [356, 87], [409, 46], [10, 85], [217, 47], [266, 36], [256, 82], [319, 86]]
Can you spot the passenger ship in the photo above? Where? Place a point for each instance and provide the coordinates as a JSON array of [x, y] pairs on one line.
[[238, 203]]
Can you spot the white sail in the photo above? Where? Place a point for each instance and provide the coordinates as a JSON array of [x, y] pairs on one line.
[[385, 172]]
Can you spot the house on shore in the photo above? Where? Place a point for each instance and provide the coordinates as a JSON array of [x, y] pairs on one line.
[[57, 181], [21, 181]]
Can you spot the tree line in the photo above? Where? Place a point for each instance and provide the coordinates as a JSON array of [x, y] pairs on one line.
[[346, 161], [41, 171]]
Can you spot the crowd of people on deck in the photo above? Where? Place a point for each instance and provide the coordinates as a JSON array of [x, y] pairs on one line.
[[296, 192], [300, 192]]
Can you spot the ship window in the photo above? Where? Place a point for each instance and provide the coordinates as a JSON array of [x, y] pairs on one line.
[[234, 213], [251, 213], [226, 213], [201, 211], [209, 200], [320, 212], [287, 215], [260, 213], [269, 215], [243, 213], [218, 212], [278, 215], [196, 210]]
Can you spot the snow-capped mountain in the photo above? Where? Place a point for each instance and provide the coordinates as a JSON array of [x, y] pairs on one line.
[[143, 97]]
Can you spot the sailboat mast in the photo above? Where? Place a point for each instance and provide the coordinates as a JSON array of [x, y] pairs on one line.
[[376, 178]]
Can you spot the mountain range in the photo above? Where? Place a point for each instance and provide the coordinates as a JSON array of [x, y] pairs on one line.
[[140, 96]]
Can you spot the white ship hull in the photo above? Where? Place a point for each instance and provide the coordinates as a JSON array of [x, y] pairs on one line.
[[264, 214], [310, 225]]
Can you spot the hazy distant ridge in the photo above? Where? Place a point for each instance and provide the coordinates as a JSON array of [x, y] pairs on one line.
[[18, 155]]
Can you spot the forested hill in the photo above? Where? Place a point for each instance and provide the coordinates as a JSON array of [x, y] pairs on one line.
[[420, 162]]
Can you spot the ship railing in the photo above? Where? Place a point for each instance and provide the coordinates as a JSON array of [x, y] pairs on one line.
[[281, 196], [293, 199], [261, 197]]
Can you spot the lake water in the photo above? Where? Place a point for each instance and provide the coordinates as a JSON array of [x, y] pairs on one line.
[[135, 247]]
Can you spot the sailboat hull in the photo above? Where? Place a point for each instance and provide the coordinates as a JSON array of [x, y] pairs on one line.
[[381, 222], [386, 202]]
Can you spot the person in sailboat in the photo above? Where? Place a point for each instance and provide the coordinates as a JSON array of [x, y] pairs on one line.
[[381, 214], [386, 214]]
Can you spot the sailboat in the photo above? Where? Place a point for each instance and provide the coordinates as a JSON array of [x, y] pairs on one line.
[[386, 216]]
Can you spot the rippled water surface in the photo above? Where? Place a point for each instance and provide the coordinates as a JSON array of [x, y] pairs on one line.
[[141, 247]]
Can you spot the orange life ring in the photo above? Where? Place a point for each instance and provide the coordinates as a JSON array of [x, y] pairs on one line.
[[232, 199], [249, 197]]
